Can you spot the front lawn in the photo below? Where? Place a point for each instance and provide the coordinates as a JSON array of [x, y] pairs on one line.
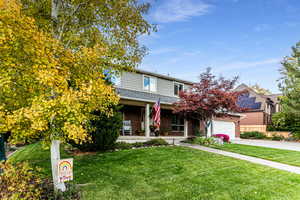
[[278, 155], [171, 173]]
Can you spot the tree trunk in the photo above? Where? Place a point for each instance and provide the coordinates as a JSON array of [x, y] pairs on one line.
[[55, 153], [55, 157], [54, 9], [55, 5], [207, 124]]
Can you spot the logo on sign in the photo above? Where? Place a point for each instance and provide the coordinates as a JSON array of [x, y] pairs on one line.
[[65, 170]]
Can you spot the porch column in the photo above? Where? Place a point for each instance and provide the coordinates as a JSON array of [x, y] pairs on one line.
[[186, 127], [147, 120]]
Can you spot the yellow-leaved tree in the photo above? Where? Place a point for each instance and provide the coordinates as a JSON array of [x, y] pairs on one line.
[[46, 90]]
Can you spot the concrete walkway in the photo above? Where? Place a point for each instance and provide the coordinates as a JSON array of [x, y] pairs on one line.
[[260, 161], [294, 146]]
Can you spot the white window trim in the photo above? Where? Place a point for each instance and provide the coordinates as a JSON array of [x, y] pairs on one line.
[[146, 90], [174, 82], [143, 83]]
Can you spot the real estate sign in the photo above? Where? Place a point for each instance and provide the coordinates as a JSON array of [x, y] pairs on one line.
[[65, 170]]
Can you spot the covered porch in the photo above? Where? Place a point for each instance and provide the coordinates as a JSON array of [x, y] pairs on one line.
[[137, 123]]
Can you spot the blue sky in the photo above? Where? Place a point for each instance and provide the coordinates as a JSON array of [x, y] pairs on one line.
[[247, 38]]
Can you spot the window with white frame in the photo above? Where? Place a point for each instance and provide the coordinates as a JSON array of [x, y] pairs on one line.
[[150, 83], [177, 123], [178, 87]]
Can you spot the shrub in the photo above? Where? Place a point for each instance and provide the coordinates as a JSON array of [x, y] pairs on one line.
[[71, 193], [296, 135], [153, 142], [291, 139], [19, 182], [203, 141], [199, 133], [138, 144], [105, 132], [252, 135], [224, 137], [283, 121], [123, 145], [277, 137], [156, 142]]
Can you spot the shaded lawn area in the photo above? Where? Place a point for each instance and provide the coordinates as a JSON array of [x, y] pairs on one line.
[[278, 155], [171, 173]]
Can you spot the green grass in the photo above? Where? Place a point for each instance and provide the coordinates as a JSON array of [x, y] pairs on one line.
[[278, 155], [171, 173]]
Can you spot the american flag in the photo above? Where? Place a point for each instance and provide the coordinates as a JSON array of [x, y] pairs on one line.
[[156, 113]]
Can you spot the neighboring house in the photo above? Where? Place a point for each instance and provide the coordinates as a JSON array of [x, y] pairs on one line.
[[260, 109], [138, 92]]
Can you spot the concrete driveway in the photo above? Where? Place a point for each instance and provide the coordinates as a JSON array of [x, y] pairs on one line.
[[295, 146]]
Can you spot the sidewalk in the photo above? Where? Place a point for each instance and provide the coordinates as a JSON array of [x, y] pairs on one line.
[[255, 160]]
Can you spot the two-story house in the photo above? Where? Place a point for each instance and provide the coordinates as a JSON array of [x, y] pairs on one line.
[[138, 92], [260, 109]]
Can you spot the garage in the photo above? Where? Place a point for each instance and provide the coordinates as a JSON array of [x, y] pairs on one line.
[[223, 127]]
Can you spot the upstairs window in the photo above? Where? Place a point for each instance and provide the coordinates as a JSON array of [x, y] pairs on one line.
[[178, 87], [149, 84]]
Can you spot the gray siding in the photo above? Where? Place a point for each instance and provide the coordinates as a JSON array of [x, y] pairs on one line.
[[134, 81], [165, 87]]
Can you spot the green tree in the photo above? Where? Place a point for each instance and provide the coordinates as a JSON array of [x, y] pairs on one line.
[[290, 82], [104, 134], [36, 96], [52, 80], [114, 24]]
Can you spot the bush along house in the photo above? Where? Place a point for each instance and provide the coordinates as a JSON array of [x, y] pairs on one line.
[[140, 90]]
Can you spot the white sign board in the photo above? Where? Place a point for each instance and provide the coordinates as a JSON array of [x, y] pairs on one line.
[[65, 170]]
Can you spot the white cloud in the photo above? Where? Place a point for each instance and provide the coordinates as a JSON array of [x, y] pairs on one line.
[[179, 10], [246, 65], [262, 27]]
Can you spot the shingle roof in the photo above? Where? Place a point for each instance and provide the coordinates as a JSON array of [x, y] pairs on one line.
[[150, 97], [145, 96], [164, 76]]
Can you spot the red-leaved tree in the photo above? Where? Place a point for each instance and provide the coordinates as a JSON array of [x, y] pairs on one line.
[[211, 97]]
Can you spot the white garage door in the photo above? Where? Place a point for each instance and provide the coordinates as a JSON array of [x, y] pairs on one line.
[[223, 127]]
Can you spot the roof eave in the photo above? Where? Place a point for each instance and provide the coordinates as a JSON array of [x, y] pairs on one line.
[[144, 100], [163, 76]]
